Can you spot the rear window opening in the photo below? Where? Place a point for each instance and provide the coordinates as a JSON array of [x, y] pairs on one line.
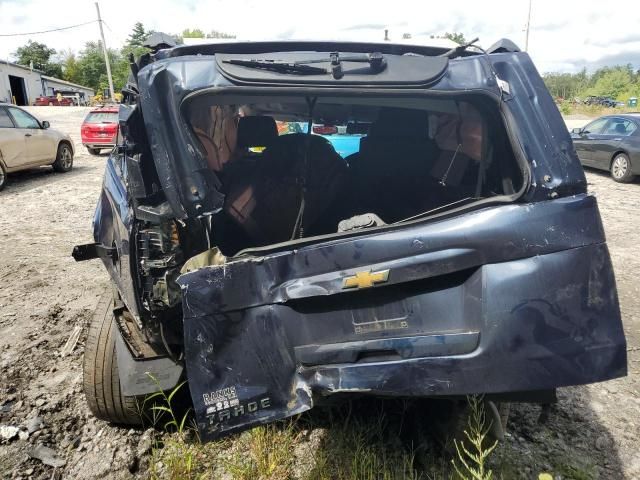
[[295, 167], [102, 117]]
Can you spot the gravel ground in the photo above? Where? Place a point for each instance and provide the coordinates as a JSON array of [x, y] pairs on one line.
[[593, 432]]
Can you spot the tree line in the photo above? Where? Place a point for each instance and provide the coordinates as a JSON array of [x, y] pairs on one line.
[[620, 82], [87, 66]]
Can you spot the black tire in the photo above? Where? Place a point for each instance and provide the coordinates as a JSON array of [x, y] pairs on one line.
[[94, 151], [101, 380], [64, 158], [3, 177], [621, 168]]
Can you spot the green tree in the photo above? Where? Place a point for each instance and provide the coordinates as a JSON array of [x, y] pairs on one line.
[[193, 33], [92, 69], [39, 55], [138, 35], [70, 68], [134, 46], [456, 37], [620, 82], [613, 83]]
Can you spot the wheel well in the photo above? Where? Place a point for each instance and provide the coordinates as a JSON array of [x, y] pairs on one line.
[[66, 142]]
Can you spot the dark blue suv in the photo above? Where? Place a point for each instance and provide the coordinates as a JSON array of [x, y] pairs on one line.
[[456, 252]]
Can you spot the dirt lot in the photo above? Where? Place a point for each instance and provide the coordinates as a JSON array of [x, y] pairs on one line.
[[593, 432]]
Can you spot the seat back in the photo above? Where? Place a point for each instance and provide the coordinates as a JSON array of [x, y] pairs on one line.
[[266, 203], [253, 131], [256, 131], [391, 171]]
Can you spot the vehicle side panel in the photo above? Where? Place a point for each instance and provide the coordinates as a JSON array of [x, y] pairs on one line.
[[112, 227], [42, 146], [14, 148]]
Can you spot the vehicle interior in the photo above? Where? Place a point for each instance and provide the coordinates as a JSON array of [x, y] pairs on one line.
[[407, 158]]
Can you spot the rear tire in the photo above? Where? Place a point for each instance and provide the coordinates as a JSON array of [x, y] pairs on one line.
[[621, 168], [101, 378], [94, 151], [64, 158], [3, 177]]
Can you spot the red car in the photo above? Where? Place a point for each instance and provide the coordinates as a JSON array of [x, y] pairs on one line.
[[100, 129], [53, 100]]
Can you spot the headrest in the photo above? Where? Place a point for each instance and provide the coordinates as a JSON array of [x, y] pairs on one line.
[[256, 131], [620, 128], [400, 123], [290, 148]]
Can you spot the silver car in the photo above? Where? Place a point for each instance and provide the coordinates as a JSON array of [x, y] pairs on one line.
[[26, 142]]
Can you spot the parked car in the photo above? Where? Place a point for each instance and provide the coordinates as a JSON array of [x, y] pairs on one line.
[[611, 143], [99, 129], [603, 101], [53, 100], [26, 142], [456, 252]]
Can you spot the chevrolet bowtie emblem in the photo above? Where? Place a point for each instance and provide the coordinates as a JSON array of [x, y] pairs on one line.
[[366, 279]]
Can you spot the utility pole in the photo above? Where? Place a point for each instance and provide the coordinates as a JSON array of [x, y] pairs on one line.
[[526, 40], [106, 55]]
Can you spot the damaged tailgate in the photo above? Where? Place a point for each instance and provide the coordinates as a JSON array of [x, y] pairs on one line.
[[505, 299]]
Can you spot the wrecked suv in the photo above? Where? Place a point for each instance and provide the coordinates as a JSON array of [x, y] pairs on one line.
[[454, 251]]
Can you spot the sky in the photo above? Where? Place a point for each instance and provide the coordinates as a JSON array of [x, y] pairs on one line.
[[565, 36]]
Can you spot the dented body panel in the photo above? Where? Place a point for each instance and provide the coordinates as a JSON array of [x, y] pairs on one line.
[[508, 299]]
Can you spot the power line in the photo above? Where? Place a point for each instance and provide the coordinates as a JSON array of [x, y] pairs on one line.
[[46, 31]]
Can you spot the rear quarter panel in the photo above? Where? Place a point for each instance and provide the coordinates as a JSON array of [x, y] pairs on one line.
[[112, 227]]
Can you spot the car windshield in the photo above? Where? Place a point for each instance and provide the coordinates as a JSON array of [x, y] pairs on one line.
[[102, 117]]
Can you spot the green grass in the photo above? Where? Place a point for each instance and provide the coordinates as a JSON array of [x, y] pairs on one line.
[[287, 450], [474, 449], [374, 441]]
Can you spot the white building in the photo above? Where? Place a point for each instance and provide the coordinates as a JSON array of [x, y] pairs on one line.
[[22, 85], [18, 84]]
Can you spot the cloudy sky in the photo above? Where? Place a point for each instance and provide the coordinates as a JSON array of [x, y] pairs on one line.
[[565, 35]]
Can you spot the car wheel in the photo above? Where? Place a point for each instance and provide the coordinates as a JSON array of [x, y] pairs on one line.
[[621, 168], [64, 159], [94, 151], [3, 177], [101, 380]]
